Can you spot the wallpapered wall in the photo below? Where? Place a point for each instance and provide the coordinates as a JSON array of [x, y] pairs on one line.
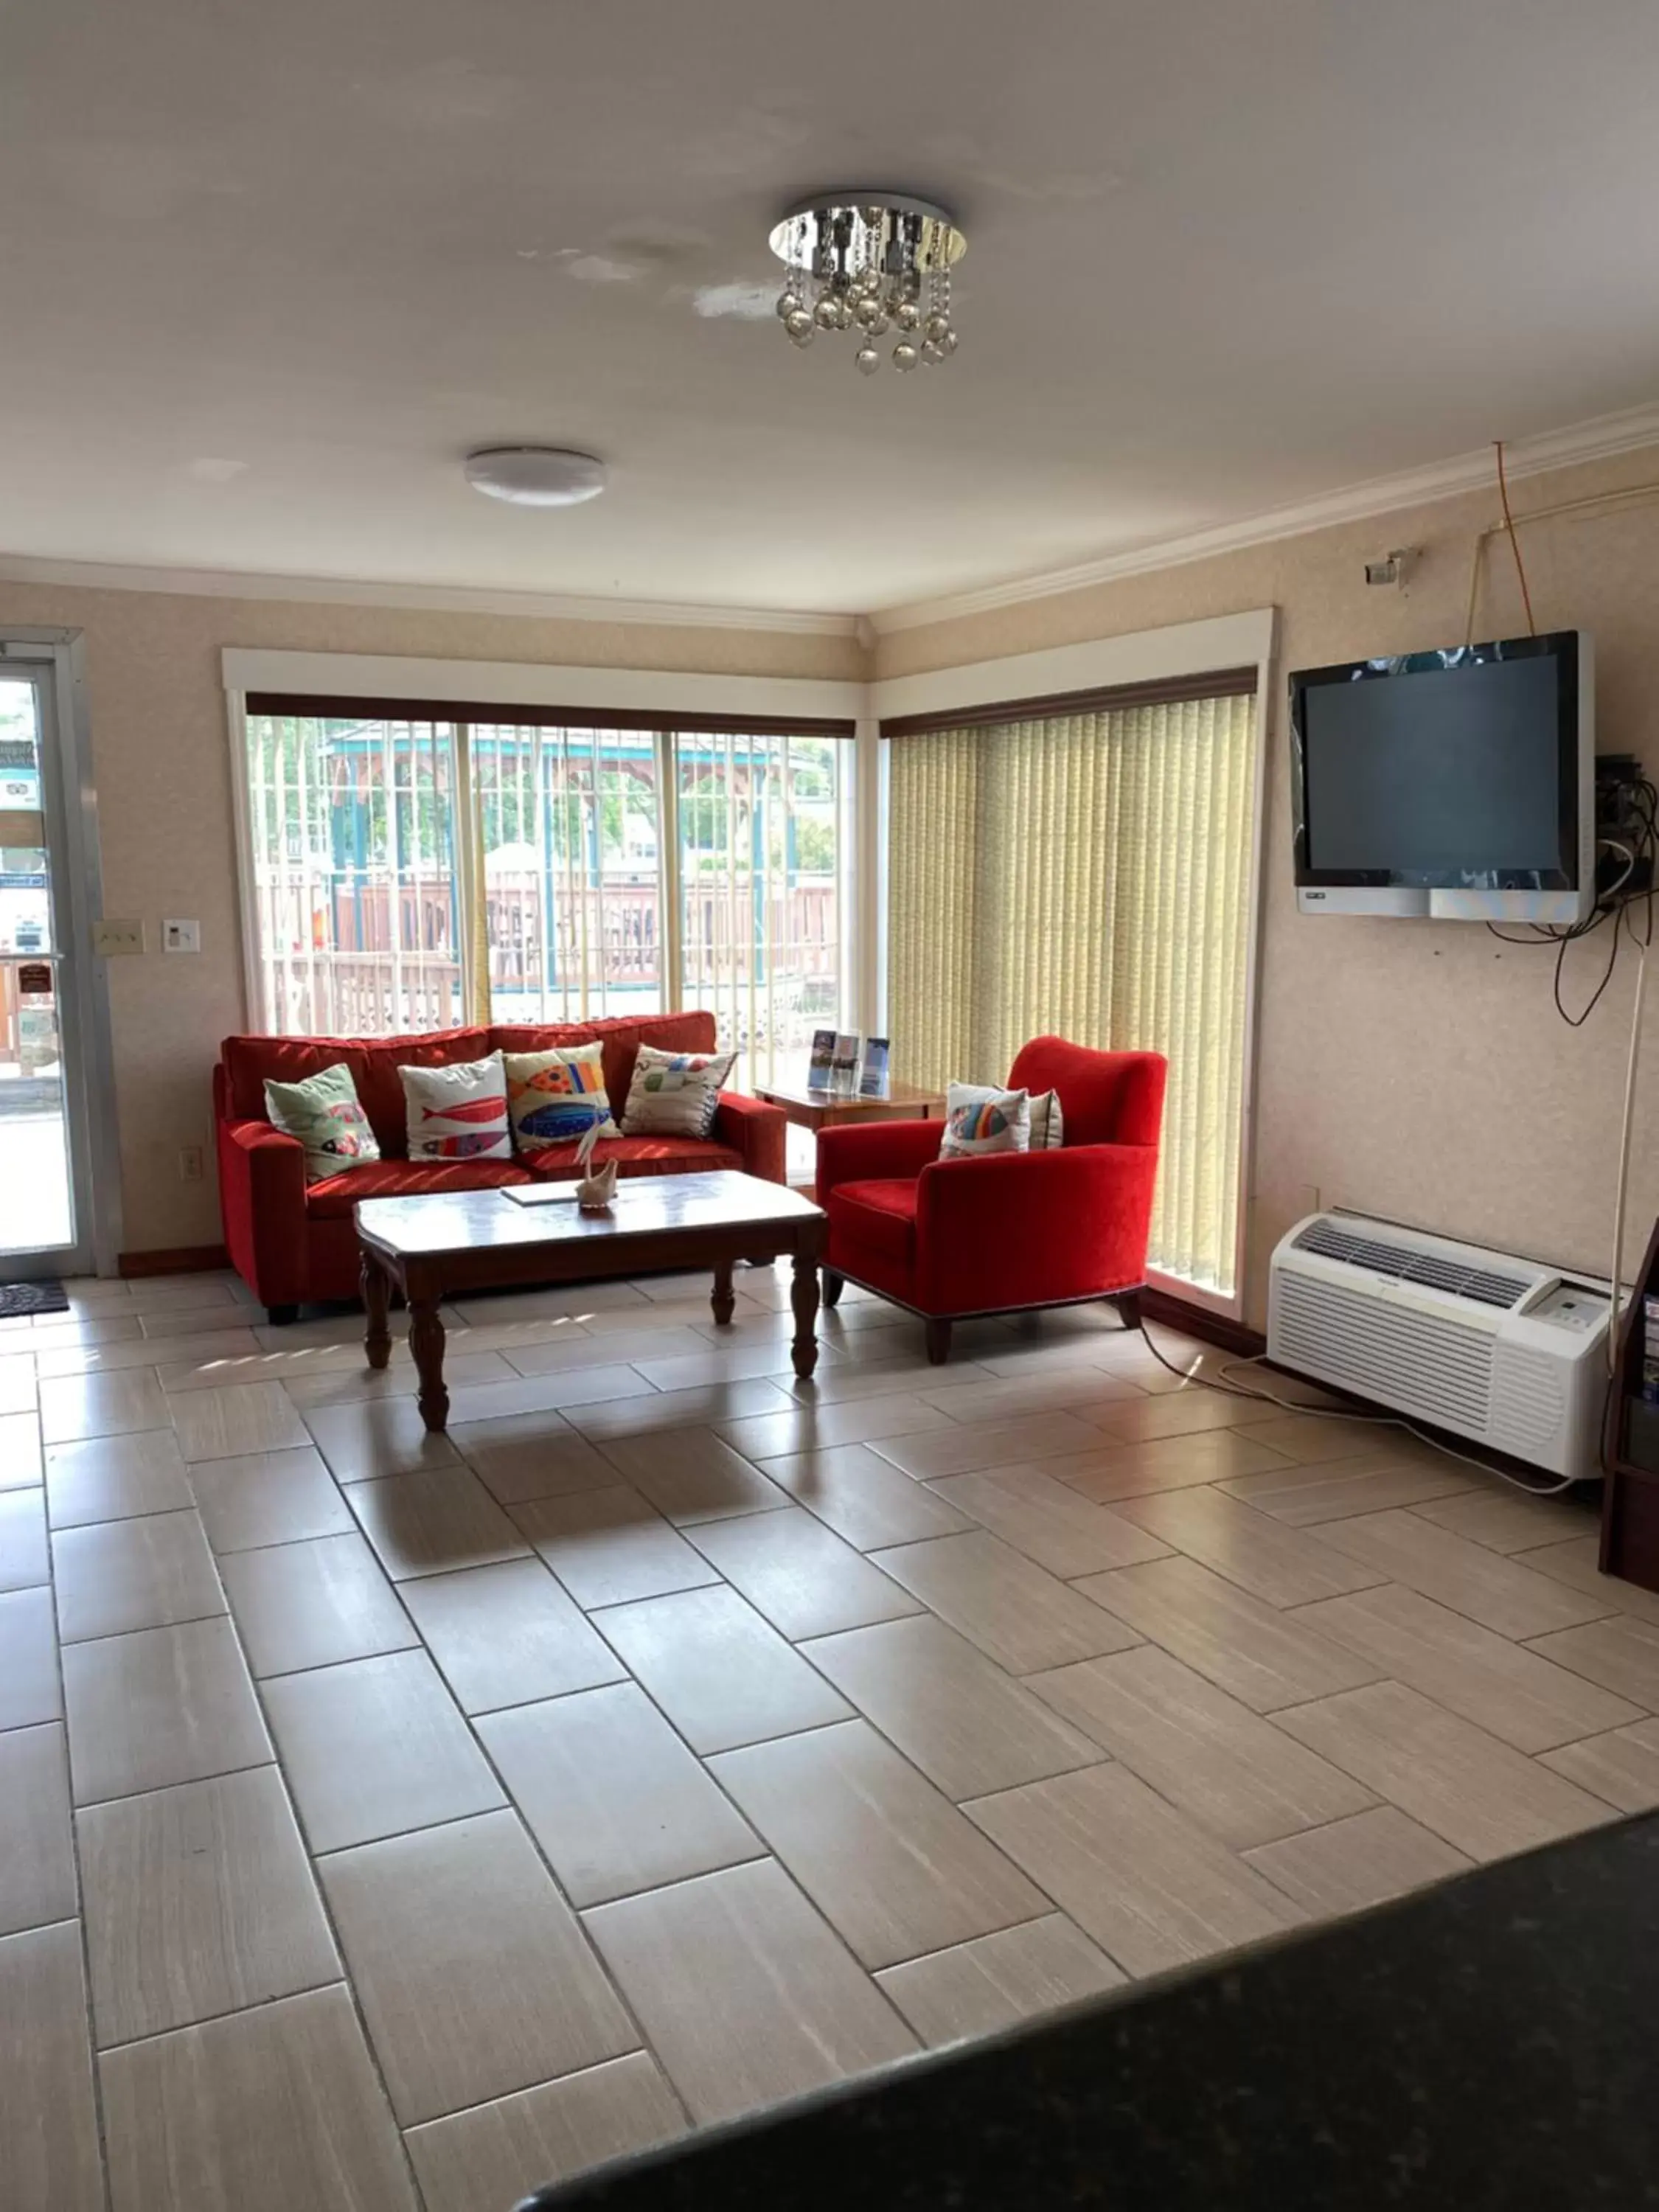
[[161, 764], [1419, 1069]]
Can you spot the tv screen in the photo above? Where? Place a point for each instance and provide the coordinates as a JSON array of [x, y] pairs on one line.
[[1457, 770]]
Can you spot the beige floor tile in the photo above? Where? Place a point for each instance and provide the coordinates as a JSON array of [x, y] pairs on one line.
[[1151, 1886], [966, 1724], [860, 1371], [20, 1451], [864, 1498], [196, 1320], [173, 1348], [532, 1455], [160, 1294], [37, 1851], [822, 1427], [1506, 1521], [886, 1859], [1234, 1773], [199, 1900], [692, 1475], [1319, 1436], [1621, 1654], [574, 1303], [24, 1559], [1575, 1562], [375, 1746], [1183, 1412], [268, 1498], [1623, 1766], [801, 1575], [1451, 1776], [745, 1994], [117, 1575], [48, 2122], [312, 1605], [1337, 1490], [501, 2152], [17, 1381], [52, 1330], [681, 1409], [1501, 1593], [1282, 1566], [1140, 1470], [28, 1659], [959, 1450], [399, 1380], [1048, 1521], [549, 1393], [720, 1672], [114, 1478], [379, 1436], [1262, 1656], [473, 1973], [74, 1405], [621, 1347], [977, 1987], [266, 2110], [1091, 1393], [997, 1598], [231, 1423], [721, 1363], [164, 1706], [1511, 1692], [610, 1546], [1357, 1862], [433, 1521], [507, 1635], [612, 1796]]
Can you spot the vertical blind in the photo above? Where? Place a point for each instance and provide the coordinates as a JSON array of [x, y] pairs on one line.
[[1087, 873]]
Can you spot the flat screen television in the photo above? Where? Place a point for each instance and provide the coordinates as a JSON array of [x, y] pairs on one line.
[[1456, 784]]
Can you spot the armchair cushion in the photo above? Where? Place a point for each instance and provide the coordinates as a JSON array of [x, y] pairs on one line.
[[879, 1216], [1019, 1228]]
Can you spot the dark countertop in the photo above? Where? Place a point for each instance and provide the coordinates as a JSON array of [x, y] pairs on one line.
[[1493, 2042]]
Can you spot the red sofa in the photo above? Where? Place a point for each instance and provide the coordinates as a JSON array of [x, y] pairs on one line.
[[1007, 1231], [290, 1244]]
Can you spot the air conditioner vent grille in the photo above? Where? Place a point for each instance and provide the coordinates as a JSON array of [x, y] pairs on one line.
[[1438, 1369], [1409, 1263]]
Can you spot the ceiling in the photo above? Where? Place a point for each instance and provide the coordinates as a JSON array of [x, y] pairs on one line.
[[266, 273]]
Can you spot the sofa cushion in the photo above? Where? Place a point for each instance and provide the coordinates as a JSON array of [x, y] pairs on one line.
[[381, 1087], [881, 1216], [323, 1114], [638, 1156], [251, 1062], [620, 1037], [330, 1200]]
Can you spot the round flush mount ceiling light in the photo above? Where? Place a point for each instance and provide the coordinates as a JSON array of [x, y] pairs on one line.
[[536, 475]]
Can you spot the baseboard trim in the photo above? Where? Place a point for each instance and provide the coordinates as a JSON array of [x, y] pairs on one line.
[[1199, 1321], [177, 1260]]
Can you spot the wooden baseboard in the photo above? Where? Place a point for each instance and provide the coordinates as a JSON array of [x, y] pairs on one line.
[[180, 1259], [1199, 1322]]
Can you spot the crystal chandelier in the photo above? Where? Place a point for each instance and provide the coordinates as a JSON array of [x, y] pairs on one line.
[[871, 262]]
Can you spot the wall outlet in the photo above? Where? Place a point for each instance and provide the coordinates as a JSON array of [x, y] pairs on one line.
[[181, 937], [190, 1164], [112, 939]]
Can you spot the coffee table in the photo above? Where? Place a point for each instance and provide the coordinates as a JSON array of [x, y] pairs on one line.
[[450, 1243]]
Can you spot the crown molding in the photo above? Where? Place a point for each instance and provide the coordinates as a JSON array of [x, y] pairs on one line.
[[1600, 439], [444, 598]]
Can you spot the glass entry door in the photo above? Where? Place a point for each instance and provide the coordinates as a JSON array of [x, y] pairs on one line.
[[44, 1228]]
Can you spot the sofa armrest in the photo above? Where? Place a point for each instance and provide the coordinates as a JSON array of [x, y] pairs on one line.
[[867, 1152], [759, 1131], [261, 1197], [1013, 1228]]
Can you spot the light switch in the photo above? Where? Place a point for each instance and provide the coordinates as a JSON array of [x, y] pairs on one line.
[[181, 937], [110, 939]]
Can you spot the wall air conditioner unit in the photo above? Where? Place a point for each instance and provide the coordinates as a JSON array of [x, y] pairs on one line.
[[1499, 1350]]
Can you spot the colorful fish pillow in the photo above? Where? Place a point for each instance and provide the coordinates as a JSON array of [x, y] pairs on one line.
[[978, 1121], [458, 1112], [557, 1096], [675, 1093], [323, 1112]]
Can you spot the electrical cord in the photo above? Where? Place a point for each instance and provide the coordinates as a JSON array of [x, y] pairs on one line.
[[1514, 543], [1325, 1413]]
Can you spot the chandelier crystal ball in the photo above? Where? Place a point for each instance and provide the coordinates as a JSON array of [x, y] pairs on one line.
[[876, 264]]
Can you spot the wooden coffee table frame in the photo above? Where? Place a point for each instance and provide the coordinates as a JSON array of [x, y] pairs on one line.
[[427, 1279]]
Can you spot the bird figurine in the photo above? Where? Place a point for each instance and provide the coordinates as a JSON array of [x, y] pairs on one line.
[[594, 1192]]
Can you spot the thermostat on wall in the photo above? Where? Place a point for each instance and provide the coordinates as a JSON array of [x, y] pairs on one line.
[[181, 937]]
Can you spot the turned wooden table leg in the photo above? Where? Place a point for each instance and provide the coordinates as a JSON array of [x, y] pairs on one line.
[[426, 1342], [803, 1299], [723, 1300], [377, 1337]]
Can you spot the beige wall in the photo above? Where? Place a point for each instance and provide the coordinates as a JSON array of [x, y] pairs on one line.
[[1415, 1069], [161, 765]]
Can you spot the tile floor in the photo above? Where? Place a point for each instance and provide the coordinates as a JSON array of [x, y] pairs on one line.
[[391, 1821]]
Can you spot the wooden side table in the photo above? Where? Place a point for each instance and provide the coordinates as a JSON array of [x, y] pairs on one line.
[[809, 1108]]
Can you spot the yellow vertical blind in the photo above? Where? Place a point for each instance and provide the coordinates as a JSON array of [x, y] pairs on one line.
[[1087, 874]]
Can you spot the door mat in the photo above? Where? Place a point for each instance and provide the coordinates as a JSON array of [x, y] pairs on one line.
[[17, 1299]]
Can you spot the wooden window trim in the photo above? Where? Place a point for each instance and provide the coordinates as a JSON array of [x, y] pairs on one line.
[[325, 707]]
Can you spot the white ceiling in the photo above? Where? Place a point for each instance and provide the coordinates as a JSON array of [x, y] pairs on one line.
[[267, 271]]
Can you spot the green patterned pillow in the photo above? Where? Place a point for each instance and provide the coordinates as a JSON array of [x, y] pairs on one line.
[[323, 1114], [675, 1093]]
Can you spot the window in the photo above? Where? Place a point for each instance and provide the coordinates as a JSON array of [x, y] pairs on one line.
[[1085, 867], [414, 871]]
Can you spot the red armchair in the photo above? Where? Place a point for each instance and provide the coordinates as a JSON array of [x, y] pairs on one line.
[[1007, 1231]]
